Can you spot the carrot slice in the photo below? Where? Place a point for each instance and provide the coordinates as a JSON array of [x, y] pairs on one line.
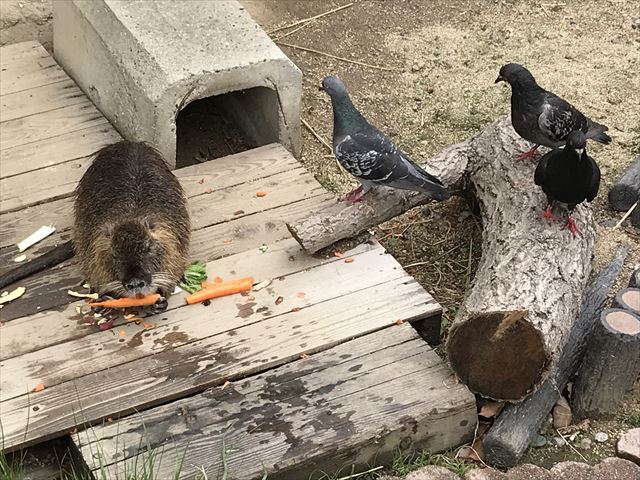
[[216, 290], [126, 302]]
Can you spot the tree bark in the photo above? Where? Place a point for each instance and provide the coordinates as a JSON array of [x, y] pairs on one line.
[[628, 299], [611, 364], [626, 190], [517, 315], [509, 437]]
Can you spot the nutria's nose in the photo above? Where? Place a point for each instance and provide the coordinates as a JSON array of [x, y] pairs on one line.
[[135, 283]]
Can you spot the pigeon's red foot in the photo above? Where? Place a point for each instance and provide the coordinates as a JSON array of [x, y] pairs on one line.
[[355, 196], [528, 155], [572, 226], [548, 215]]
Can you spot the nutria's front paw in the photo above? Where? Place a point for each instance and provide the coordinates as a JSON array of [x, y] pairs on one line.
[[101, 310], [160, 305]]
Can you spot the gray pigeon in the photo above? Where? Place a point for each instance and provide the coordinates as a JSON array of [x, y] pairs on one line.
[[540, 116], [367, 154]]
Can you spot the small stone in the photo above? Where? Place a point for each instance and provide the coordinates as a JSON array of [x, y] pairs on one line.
[[560, 441], [629, 445], [601, 437], [538, 440], [585, 444]]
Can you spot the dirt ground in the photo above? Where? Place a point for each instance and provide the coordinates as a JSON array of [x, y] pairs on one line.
[[447, 55]]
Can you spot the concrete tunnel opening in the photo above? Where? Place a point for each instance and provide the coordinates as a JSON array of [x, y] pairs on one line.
[[221, 125]]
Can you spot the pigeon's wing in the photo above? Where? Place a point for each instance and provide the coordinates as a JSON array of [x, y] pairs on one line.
[[559, 118], [594, 184], [372, 157], [541, 169]]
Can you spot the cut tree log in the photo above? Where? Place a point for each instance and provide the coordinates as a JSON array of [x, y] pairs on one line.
[[525, 296], [509, 437], [628, 299], [626, 191], [610, 366]]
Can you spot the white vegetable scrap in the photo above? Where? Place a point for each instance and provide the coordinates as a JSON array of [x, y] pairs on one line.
[[35, 237], [20, 258], [10, 296], [94, 296]]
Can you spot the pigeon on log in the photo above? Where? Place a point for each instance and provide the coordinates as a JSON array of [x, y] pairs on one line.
[[568, 176], [367, 154], [542, 117]]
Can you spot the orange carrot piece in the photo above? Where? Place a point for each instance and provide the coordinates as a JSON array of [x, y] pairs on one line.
[[38, 388], [220, 290], [261, 194], [126, 302], [348, 260]]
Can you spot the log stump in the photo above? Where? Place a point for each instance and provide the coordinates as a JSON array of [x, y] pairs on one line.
[[509, 437], [610, 366], [626, 191], [628, 299]]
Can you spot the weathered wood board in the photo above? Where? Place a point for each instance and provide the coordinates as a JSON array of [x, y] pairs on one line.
[[392, 391], [356, 402]]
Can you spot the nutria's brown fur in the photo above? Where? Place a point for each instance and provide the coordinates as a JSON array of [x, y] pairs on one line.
[[132, 229]]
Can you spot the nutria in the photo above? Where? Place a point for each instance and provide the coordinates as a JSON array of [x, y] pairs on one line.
[[131, 229]]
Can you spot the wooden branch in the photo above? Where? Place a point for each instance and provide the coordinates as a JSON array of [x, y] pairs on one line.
[[517, 315], [611, 364], [508, 439], [343, 220], [626, 190]]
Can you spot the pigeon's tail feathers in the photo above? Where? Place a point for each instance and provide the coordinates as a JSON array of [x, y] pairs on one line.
[[427, 183], [434, 191], [597, 132]]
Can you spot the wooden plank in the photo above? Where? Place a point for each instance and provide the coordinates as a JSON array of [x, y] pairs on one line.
[[180, 370], [281, 258], [52, 151], [374, 387], [48, 290], [40, 99], [53, 365], [28, 71], [219, 174], [17, 51], [49, 124]]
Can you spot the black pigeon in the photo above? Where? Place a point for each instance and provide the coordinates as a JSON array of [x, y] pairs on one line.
[[542, 117], [569, 176], [367, 154]]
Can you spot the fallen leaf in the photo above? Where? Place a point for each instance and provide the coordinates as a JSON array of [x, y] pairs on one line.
[[348, 260], [279, 300], [38, 388], [261, 194], [301, 294], [122, 333], [295, 309], [399, 322], [491, 409]]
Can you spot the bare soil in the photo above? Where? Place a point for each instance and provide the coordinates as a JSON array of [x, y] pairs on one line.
[[446, 56]]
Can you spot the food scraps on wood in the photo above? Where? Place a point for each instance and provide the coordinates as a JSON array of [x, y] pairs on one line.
[[348, 260], [225, 384], [73, 293], [10, 296], [295, 309], [301, 294], [304, 355], [126, 302], [338, 254], [194, 276], [263, 248], [20, 258], [261, 194], [221, 289], [279, 300], [262, 284], [399, 321], [122, 333], [38, 388], [40, 234]]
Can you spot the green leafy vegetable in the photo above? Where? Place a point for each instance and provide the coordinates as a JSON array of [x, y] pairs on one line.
[[194, 275]]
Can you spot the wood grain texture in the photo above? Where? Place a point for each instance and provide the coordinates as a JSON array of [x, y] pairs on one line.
[[352, 404], [281, 259], [25, 66], [180, 367]]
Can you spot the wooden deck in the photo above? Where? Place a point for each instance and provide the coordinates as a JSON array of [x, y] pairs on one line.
[[324, 368]]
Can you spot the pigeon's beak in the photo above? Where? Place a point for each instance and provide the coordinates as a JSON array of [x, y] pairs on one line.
[[499, 79]]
